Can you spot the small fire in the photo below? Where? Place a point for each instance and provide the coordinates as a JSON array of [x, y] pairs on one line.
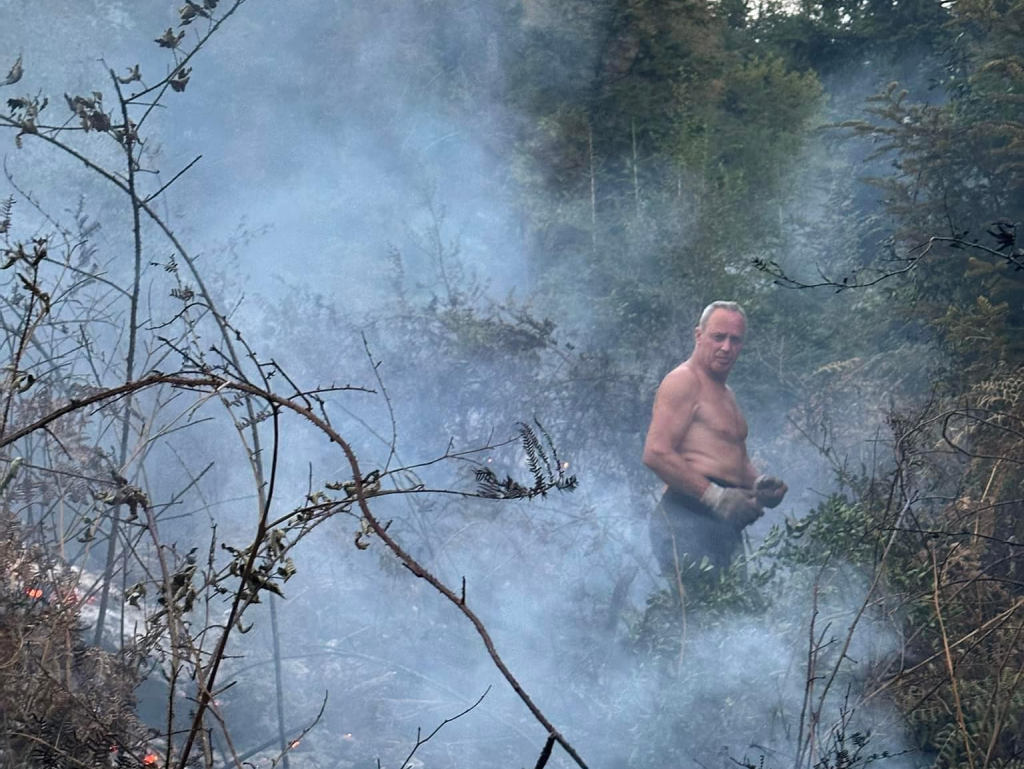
[[34, 592], [294, 744], [68, 598], [150, 759]]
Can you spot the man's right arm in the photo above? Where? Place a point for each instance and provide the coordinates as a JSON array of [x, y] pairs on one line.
[[675, 408]]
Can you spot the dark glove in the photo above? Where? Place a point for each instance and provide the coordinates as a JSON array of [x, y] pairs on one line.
[[739, 507], [769, 490]]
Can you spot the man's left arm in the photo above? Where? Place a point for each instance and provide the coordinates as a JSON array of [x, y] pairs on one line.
[[768, 489]]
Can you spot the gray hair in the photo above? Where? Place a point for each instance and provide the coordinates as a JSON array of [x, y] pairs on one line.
[[719, 305]]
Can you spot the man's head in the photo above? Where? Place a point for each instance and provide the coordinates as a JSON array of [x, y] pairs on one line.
[[719, 338]]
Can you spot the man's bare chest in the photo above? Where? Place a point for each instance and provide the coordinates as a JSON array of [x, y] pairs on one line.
[[720, 415]]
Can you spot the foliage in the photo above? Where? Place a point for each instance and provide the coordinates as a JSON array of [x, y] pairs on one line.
[[62, 703]]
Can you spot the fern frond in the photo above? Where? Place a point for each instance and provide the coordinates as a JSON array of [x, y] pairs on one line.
[[6, 207], [488, 485], [536, 458], [547, 471]]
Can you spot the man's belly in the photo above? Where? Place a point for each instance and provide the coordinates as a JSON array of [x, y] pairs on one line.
[[726, 469]]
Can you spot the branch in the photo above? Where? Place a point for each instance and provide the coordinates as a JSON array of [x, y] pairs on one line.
[[361, 493], [423, 740], [1014, 258]]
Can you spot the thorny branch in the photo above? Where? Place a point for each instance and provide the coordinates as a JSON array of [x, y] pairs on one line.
[[205, 383]]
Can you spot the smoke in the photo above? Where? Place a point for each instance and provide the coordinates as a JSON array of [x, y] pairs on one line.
[[351, 148]]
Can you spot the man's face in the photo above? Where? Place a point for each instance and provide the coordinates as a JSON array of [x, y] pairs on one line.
[[720, 341]]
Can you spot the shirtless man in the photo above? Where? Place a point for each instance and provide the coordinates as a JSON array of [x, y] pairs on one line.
[[697, 445]]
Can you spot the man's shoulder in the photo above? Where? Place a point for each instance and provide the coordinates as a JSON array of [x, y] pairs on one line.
[[682, 380]]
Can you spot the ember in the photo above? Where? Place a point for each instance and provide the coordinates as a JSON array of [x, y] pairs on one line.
[[34, 592], [150, 759]]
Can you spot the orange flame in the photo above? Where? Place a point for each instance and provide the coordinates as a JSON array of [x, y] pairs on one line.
[[150, 759], [34, 592]]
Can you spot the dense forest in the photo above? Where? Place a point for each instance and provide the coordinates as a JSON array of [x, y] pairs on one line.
[[333, 331]]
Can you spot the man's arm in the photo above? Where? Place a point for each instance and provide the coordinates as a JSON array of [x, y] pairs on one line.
[[675, 407], [768, 489]]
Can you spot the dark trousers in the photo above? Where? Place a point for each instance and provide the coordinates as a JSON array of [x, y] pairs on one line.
[[682, 529]]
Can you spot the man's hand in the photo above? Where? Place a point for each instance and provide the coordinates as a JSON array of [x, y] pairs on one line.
[[769, 490], [739, 507]]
